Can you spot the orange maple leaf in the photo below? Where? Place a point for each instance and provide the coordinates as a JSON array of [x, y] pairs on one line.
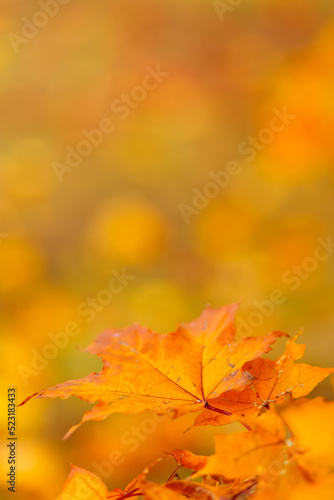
[[199, 491], [83, 484], [186, 459], [272, 381], [183, 370], [247, 455], [133, 489]]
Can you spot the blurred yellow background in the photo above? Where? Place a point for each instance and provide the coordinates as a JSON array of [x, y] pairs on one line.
[[181, 151]]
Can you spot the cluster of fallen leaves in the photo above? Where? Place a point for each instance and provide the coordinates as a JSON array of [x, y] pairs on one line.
[[203, 367]]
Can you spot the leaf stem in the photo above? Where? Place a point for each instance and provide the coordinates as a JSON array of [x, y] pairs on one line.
[[173, 474], [287, 425], [224, 412], [218, 410]]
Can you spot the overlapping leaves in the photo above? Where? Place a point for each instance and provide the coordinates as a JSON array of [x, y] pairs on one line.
[[268, 462], [183, 370], [202, 366]]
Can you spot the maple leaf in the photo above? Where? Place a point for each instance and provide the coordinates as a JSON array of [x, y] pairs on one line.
[[291, 484], [183, 370], [86, 485], [248, 455], [211, 488], [134, 488], [272, 381], [153, 491], [305, 414], [309, 473], [185, 458], [198, 491], [83, 484], [260, 464]]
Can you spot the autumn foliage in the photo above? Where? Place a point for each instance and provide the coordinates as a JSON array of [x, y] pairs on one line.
[[202, 367]]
